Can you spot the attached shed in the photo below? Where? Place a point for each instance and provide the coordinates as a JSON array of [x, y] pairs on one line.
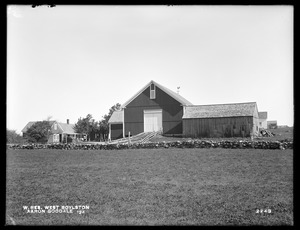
[[116, 125], [221, 120]]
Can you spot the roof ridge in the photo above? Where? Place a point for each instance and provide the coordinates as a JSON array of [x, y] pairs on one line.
[[172, 92], [223, 104]]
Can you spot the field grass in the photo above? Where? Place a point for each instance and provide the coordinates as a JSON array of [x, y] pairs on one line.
[[152, 186]]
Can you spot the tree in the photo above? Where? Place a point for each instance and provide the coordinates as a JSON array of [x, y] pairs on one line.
[[39, 132], [86, 125], [13, 138]]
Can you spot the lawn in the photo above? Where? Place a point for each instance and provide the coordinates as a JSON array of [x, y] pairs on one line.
[[151, 186]]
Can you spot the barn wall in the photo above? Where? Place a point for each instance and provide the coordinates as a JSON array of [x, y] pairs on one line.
[[218, 127], [255, 122], [171, 116], [116, 131], [255, 125]]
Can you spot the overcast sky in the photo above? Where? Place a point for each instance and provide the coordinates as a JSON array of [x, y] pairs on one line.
[[70, 61]]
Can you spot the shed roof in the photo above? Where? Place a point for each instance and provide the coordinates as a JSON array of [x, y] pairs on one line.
[[116, 117], [220, 110], [171, 93], [263, 115]]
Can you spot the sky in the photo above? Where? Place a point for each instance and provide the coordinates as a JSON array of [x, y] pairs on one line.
[[69, 61]]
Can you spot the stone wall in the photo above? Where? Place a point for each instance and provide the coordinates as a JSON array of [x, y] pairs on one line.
[[234, 144]]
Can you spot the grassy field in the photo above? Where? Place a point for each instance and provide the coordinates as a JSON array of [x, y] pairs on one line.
[[152, 187]]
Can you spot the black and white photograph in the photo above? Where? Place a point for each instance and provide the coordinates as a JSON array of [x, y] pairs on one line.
[[160, 115]]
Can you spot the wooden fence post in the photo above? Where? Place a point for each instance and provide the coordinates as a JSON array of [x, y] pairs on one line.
[[129, 141]]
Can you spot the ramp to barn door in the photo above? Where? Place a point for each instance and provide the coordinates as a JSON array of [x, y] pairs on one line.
[[139, 138]]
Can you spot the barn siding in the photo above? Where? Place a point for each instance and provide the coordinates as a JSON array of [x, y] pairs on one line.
[[116, 131], [218, 127], [171, 116]]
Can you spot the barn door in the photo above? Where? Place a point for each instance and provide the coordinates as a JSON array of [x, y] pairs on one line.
[[152, 120]]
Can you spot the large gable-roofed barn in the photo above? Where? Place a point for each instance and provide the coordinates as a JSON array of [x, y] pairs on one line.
[[154, 108]]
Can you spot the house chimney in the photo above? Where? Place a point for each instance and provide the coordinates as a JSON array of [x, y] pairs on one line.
[[67, 121]]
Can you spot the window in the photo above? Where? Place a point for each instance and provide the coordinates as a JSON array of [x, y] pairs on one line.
[[55, 126], [259, 123], [152, 91]]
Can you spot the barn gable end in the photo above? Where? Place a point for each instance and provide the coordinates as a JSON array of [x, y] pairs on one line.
[[153, 108], [138, 110]]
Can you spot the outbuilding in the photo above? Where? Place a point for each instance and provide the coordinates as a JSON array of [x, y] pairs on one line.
[[221, 120]]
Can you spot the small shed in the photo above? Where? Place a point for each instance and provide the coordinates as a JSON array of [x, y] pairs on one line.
[[221, 120], [272, 124], [263, 120], [116, 125]]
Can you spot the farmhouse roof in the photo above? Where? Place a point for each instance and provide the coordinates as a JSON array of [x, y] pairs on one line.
[[220, 110], [116, 117], [263, 115], [30, 123], [67, 128], [171, 93]]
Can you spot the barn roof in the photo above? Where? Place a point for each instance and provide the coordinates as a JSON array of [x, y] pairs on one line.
[[171, 93], [116, 117], [263, 115], [220, 110]]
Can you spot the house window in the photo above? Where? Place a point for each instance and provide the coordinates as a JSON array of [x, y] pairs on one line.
[[260, 123], [55, 126], [152, 91]]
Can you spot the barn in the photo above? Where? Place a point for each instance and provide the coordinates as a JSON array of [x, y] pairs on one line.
[[156, 108], [221, 120]]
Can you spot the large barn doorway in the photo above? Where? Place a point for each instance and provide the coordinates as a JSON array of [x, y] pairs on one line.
[[152, 120]]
